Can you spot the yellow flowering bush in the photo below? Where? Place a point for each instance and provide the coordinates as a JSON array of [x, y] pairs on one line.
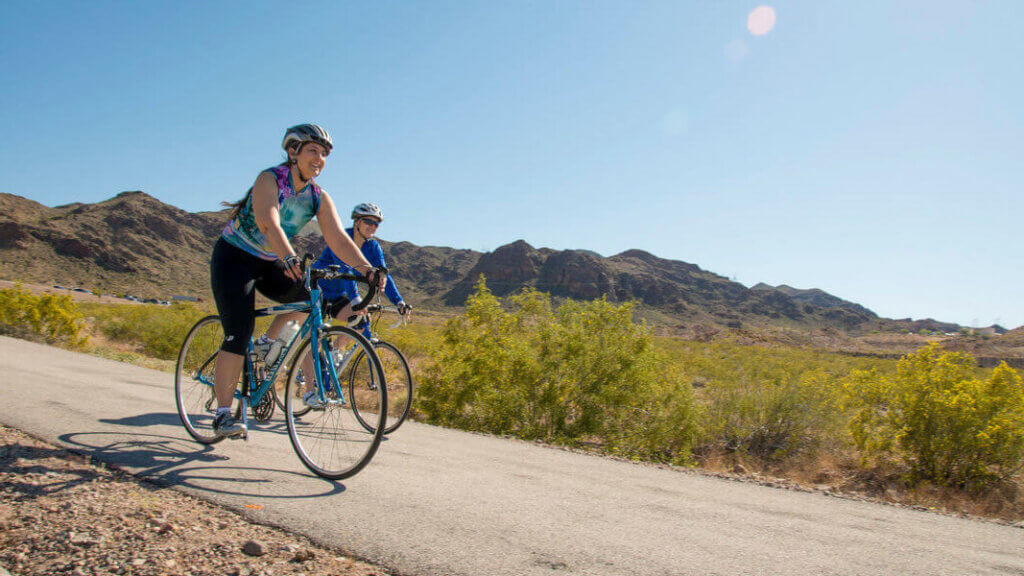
[[53, 318], [583, 371], [157, 330], [940, 419]]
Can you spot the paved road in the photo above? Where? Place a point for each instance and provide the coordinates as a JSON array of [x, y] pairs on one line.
[[437, 501]]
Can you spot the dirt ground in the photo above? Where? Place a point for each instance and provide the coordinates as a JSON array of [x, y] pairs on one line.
[[60, 514]]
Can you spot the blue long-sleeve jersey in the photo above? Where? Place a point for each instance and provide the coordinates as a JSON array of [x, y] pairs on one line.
[[334, 289]]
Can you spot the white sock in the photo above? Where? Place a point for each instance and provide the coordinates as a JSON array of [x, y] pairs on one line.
[[224, 410]]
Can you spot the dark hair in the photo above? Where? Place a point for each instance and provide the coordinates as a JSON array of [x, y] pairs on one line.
[[236, 207]]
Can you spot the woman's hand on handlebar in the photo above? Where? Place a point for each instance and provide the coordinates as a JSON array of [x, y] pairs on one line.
[[293, 268]]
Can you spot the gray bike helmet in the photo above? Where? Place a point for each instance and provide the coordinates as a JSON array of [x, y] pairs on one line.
[[367, 210], [307, 133]]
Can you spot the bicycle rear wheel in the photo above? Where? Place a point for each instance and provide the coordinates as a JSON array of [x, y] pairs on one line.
[[330, 440], [193, 379], [398, 377]]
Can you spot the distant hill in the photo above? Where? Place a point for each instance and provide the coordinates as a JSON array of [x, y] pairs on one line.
[[132, 241], [814, 297], [135, 243]]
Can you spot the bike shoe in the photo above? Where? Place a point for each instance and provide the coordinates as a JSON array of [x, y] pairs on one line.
[[225, 426], [312, 400]]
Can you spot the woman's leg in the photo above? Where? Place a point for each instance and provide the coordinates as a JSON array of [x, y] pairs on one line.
[[233, 284], [225, 379], [273, 283]]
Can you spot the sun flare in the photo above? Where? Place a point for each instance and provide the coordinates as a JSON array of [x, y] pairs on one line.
[[761, 20]]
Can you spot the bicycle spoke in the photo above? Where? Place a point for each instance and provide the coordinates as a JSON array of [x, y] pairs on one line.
[[329, 440]]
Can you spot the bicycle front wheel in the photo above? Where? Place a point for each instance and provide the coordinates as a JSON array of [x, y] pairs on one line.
[[193, 379], [329, 439], [397, 376]]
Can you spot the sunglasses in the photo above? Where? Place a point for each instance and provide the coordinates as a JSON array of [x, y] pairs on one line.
[[370, 222]]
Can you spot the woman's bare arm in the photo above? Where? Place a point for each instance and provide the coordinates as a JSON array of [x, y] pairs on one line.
[[342, 246]]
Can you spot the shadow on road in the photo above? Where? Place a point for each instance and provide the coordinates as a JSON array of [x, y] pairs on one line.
[[173, 461], [32, 469], [172, 419], [142, 420]]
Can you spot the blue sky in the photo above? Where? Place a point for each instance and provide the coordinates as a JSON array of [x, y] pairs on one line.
[[872, 149]]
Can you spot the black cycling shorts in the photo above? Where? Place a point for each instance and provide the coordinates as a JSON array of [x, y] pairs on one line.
[[332, 308], [235, 275]]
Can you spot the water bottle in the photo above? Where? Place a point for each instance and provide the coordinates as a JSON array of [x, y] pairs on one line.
[[284, 339]]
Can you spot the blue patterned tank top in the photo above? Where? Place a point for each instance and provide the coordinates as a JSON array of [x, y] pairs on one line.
[[296, 209]]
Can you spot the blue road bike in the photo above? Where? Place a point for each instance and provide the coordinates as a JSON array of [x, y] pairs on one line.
[[332, 439], [350, 363]]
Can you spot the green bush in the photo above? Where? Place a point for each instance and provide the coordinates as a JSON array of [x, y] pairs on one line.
[[770, 404], [53, 318], [157, 330], [581, 372], [767, 420], [939, 419]]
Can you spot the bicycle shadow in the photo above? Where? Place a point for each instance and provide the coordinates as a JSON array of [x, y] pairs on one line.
[[38, 471], [275, 426], [171, 461]]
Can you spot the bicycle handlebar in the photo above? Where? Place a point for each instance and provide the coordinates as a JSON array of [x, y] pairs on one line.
[[333, 272]]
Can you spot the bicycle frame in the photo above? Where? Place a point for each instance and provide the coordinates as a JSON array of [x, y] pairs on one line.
[[370, 324], [313, 327]]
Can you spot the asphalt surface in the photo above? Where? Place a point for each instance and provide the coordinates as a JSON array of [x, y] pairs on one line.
[[437, 501]]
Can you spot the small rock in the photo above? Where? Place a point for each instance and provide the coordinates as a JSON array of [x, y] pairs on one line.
[[4, 572], [254, 548], [1019, 525], [78, 572], [165, 528], [222, 525], [170, 563], [139, 562], [303, 556], [76, 539]]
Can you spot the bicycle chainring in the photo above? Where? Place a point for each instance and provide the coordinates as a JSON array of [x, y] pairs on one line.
[[263, 411]]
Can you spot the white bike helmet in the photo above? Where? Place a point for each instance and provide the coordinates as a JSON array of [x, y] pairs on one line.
[[307, 133], [367, 210]]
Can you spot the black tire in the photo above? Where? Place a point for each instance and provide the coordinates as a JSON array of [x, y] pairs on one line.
[[330, 441], [398, 380], [279, 389], [193, 378]]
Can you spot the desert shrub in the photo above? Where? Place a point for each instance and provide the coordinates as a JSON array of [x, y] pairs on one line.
[[582, 372], [50, 317], [158, 331], [940, 419], [762, 403], [413, 340], [768, 421]]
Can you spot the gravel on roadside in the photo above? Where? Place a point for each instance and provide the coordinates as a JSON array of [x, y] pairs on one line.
[[60, 514]]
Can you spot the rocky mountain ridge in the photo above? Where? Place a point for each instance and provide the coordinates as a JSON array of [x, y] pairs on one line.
[[134, 242]]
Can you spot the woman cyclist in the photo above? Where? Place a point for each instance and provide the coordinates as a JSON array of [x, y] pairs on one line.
[[341, 295], [254, 253]]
